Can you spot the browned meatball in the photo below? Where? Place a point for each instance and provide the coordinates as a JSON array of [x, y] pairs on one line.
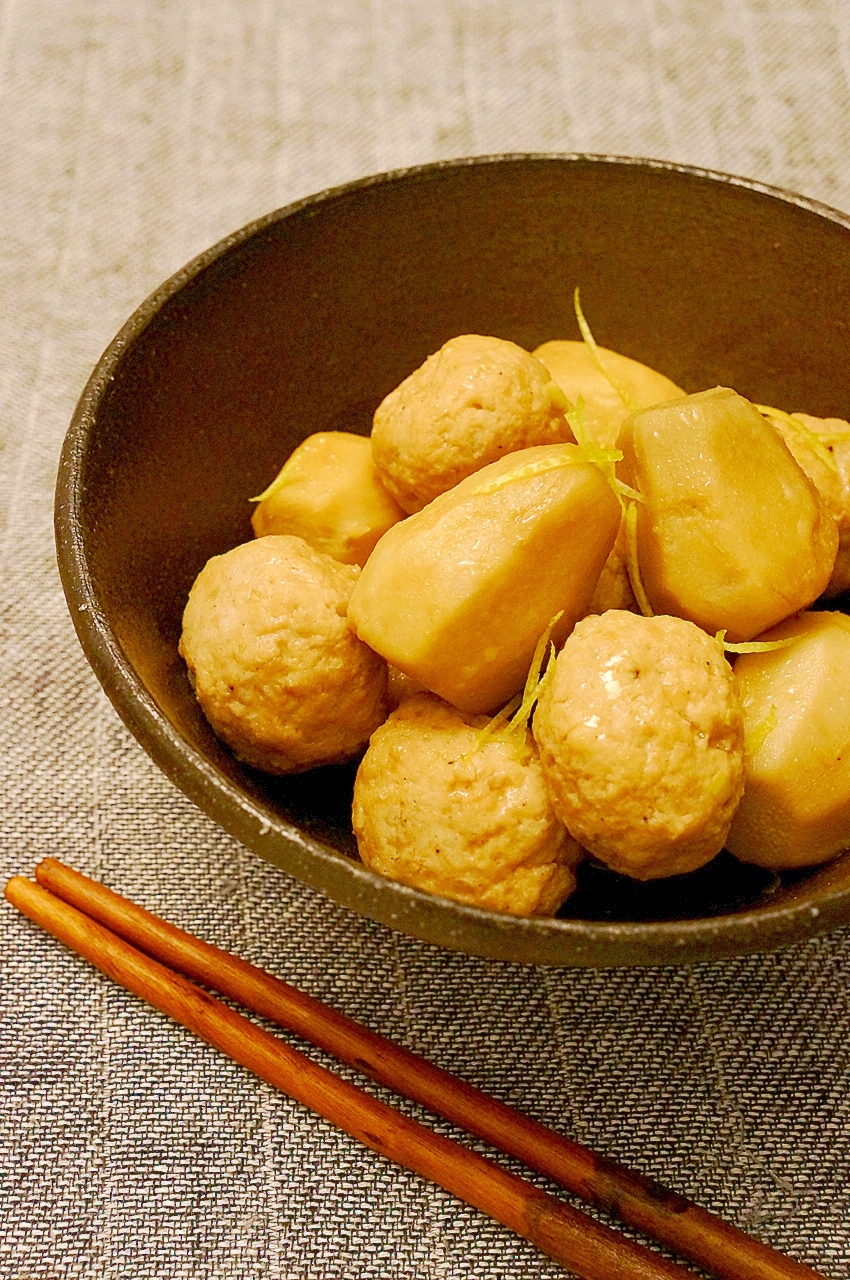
[[277, 671]]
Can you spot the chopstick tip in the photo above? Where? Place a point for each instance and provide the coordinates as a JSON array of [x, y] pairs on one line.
[[45, 867], [15, 888]]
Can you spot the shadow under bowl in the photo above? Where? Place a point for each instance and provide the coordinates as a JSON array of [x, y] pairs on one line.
[[303, 321]]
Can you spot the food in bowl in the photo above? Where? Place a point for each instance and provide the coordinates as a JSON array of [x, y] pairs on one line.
[[731, 532], [796, 706], [473, 401], [458, 594], [278, 672], [821, 447], [575, 368], [438, 808], [329, 493], [493, 554], [641, 737]]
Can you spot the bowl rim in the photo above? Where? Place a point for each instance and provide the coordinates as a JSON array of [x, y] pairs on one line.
[[538, 940]]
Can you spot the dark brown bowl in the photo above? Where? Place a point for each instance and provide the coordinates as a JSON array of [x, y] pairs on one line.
[[303, 321]]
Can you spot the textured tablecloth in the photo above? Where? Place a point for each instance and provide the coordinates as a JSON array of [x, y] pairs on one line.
[[134, 134]]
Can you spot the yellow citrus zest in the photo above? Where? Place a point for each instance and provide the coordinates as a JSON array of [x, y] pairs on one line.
[[512, 720], [279, 481], [604, 459], [753, 646], [535, 679], [632, 565], [538, 466], [626, 396], [758, 735], [494, 725]]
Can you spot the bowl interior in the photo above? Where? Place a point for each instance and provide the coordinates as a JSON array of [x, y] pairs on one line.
[[303, 322]]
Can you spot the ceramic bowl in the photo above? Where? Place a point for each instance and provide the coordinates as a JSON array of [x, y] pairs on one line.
[[302, 322]]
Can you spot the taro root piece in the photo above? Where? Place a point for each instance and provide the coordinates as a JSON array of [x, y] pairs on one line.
[[329, 493], [573, 368], [731, 534], [641, 742], [833, 434], [458, 595], [614, 588], [435, 809], [275, 666], [796, 701], [470, 403]]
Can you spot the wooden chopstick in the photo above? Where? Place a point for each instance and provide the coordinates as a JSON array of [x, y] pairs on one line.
[[589, 1249], [670, 1218]]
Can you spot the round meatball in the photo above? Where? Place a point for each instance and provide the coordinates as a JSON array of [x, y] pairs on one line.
[[437, 809], [278, 673], [473, 401], [641, 741]]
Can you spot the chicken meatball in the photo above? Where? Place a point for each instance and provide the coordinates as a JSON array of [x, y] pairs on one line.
[[473, 401], [641, 741], [437, 809], [277, 671]]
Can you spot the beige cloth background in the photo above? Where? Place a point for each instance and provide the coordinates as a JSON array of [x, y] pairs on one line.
[[135, 133]]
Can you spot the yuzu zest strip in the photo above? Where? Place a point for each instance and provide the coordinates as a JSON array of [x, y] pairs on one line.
[[279, 481], [632, 564], [512, 720], [754, 646], [494, 726], [534, 681], [627, 399], [604, 459], [759, 734], [834, 437], [537, 467]]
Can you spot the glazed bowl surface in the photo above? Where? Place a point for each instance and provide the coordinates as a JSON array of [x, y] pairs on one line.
[[302, 322]]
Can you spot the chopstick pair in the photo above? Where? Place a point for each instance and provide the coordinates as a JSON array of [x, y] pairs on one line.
[[155, 960]]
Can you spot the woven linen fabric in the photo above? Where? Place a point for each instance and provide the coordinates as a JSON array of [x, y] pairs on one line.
[[133, 135]]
